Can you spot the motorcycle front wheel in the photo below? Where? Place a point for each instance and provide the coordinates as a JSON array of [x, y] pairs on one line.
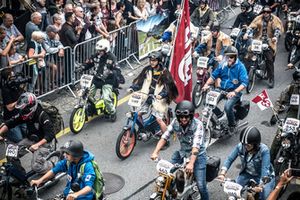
[[125, 144], [252, 78], [197, 95], [77, 120]]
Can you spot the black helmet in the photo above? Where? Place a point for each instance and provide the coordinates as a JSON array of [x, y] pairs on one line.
[[267, 9], [185, 108], [215, 28], [245, 5], [27, 104], [203, 2], [230, 51], [250, 135], [74, 148], [156, 55], [296, 76]]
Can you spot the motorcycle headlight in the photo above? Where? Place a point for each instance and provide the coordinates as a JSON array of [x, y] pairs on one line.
[[160, 181], [286, 143], [254, 58], [128, 114]]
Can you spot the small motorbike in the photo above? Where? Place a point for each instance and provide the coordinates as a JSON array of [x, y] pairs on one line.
[[215, 127], [292, 26], [174, 183], [13, 177], [138, 128], [295, 47], [87, 106], [258, 68], [202, 76]]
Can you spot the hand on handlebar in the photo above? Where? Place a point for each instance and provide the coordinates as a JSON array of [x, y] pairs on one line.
[[34, 147], [205, 87], [154, 156], [158, 97], [274, 39], [230, 95], [36, 183], [130, 90], [189, 168], [221, 177], [245, 37], [257, 189]]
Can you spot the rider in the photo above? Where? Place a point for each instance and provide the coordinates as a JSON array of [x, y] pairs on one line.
[[191, 137], [255, 161], [40, 131], [268, 28], [212, 45], [245, 17], [234, 79], [78, 186], [105, 77], [155, 79], [203, 17]]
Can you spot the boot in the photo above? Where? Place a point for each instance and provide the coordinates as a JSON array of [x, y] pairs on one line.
[[271, 82]]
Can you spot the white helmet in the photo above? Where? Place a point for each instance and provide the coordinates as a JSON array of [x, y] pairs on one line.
[[103, 44]]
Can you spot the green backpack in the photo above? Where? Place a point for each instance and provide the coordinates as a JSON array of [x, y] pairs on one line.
[[99, 180]]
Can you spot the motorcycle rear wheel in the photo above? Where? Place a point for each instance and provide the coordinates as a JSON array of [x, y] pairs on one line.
[[197, 95], [125, 144], [77, 120], [252, 78]]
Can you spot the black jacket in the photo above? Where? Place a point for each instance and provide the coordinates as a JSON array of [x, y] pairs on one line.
[[68, 36], [243, 19]]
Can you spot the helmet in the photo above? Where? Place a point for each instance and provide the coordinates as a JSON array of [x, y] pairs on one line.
[[155, 55], [26, 104], [230, 51], [296, 76], [267, 9], [203, 2], [215, 28], [74, 148], [246, 5], [185, 108], [250, 135], [103, 44]]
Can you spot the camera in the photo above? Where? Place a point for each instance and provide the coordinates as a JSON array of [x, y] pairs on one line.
[[16, 80]]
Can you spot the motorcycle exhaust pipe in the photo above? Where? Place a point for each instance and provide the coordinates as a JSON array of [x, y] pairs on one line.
[[52, 182]]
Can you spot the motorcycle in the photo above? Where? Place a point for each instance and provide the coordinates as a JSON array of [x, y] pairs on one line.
[[12, 176], [166, 49], [237, 40], [86, 106], [289, 152], [294, 47], [138, 128], [292, 25], [215, 127], [258, 68], [202, 76]]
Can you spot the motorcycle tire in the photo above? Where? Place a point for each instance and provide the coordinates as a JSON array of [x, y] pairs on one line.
[[77, 120], [288, 41], [252, 78], [197, 95], [125, 144]]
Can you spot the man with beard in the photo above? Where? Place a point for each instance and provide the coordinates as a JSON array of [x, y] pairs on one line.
[[268, 28], [203, 16], [156, 79]]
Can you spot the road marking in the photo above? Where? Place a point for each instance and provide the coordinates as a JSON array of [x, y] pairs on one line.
[[68, 130]]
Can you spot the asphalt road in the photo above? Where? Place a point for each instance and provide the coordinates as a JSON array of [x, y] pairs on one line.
[[99, 137]]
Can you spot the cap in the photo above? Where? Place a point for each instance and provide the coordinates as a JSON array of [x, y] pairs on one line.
[[51, 28]]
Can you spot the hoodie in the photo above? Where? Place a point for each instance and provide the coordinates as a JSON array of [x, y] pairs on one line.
[[73, 174]]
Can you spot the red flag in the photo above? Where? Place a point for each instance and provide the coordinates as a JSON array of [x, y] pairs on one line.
[[181, 64], [262, 100]]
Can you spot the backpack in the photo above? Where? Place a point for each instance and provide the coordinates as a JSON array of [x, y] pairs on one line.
[[99, 180], [54, 115]]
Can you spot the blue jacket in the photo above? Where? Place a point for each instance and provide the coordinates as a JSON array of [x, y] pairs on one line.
[[73, 174], [259, 165], [233, 77]]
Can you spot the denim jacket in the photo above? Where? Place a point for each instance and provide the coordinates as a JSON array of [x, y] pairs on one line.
[[259, 165], [191, 137]]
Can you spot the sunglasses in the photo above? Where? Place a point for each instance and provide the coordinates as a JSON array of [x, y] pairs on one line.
[[231, 57], [183, 116], [182, 113], [268, 12]]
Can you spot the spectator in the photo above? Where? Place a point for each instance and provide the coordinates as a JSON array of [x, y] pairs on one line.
[[41, 8], [57, 21], [105, 12], [151, 6], [113, 7], [11, 29], [4, 47], [15, 58], [129, 13], [120, 21], [68, 8], [82, 21], [33, 25], [140, 10], [37, 53], [68, 35], [53, 46], [97, 21]]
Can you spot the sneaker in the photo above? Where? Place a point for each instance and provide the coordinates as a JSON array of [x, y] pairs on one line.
[[271, 82]]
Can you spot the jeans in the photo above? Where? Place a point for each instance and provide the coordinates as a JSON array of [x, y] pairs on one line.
[[199, 172], [244, 178], [270, 58], [106, 95], [228, 107], [17, 133]]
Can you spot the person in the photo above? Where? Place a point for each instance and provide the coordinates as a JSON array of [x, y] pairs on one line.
[[255, 161], [140, 10], [67, 34], [285, 179], [156, 79], [100, 29], [15, 59], [5, 47], [33, 25], [40, 130], [245, 17], [105, 78], [234, 79], [268, 28], [78, 187], [203, 17], [84, 22], [191, 137]]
